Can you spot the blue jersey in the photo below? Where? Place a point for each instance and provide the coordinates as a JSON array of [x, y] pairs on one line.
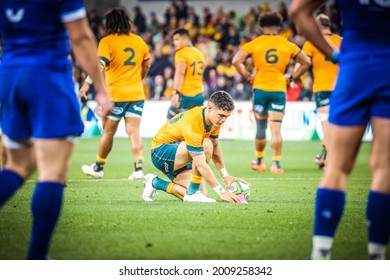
[[37, 93], [366, 25], [33, 31]]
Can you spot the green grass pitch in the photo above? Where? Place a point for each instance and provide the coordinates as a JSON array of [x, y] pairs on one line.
[[106, 219]]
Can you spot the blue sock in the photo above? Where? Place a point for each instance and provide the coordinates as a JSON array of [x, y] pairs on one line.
[[194, 184], [378, 217], [10, 182], [193, 188], [328, 211], [46, 206], [160, 184]]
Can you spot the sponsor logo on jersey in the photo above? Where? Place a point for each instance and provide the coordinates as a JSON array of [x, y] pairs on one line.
[[176, 118], [14, 17]]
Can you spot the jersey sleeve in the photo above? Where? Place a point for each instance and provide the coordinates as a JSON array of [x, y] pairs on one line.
[[180, 57], [247, 47], [193, 139], [294, 50], [145, 49], [72, 10], [307, 48], [104, 51]]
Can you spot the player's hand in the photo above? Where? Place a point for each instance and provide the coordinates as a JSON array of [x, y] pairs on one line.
[[229, 197], [84, 90], [175, 100], [104, 102], [250, 79], [230, 179]]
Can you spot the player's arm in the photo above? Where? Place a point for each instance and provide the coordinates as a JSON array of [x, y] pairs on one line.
[[220, 165], [84, 48], [302, 14], [238, 62], [178, 79], [145, 68], [199, 160], [303, 64], [88, 81]]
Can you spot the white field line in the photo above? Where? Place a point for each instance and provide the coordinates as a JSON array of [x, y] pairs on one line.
[[247, 179]]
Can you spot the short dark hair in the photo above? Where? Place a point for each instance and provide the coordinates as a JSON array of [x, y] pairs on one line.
[[117, 21], [270, 19], [181, 32], [222, 100]]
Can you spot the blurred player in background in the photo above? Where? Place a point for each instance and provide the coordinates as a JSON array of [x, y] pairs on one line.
[[362, 94], [188, 79], [182, 149], [125, 59], [40, 112], [271, 55], [325, 75]]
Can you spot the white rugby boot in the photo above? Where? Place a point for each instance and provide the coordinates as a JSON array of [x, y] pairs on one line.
[[149, 190], [197, 197], [90, 171], [136, 175]]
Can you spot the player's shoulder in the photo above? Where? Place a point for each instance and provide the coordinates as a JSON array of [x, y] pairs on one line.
[[196, 111], [194, 114], [307, 45], [252, 43], [287, 42], [134, 36], [188, 50], [106, 39], [186, 53], [197, 52]]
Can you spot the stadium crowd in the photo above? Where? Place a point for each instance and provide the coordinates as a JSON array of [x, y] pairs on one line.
[[218, 34]]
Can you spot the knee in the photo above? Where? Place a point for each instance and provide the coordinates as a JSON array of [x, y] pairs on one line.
[[109, 133], [132, 131], [261, 127], [379, 164], [208, 148], [24, 169]]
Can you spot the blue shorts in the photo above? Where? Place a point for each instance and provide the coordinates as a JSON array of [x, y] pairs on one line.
[[163, 158], [39, 103], [362, 90], [127, 109]]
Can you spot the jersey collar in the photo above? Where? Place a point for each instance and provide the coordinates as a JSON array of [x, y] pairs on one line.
[[207, 127]]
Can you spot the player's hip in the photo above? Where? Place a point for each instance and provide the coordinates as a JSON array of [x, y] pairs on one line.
[[127, 109], [359, 95], [163, 158], [264, 101]]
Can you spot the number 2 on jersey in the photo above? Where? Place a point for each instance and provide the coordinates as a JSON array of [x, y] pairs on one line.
[[129, 61]]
